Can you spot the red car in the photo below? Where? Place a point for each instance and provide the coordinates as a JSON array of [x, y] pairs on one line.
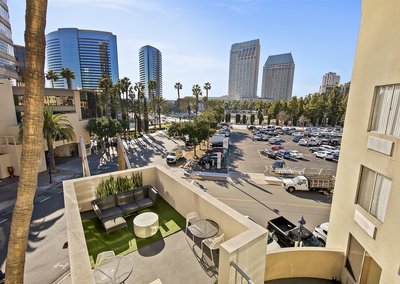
[[277, 147]]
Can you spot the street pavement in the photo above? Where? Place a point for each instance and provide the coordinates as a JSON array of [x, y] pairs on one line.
[[246, 192]]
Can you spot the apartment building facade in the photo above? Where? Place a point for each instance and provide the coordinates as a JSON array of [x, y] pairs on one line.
[[7, 58], [365, 209], [329, 80], [150, 68]]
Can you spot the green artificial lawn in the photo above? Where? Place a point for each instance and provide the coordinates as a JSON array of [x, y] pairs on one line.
[[124, 241]]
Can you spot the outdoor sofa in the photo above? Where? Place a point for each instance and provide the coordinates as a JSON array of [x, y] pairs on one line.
[[110, 209]]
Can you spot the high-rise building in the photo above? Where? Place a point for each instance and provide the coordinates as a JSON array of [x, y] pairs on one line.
[[89, 54], [364, 221], [243, 69], [7, 59], [19, 52], [277, 80], [329, 80], [150, 68]]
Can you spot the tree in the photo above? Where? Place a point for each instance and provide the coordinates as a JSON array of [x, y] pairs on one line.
[[207, 87], [252, 118], [187, 104], [237, 118], [55, 127], [160, 105], [152, 85], [52, 76], [68, 75], [196, 90], [260, 117], [126, 88], [104, 97], [178, 87], [35, 23]]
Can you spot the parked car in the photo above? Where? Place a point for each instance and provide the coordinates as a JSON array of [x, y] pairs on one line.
[[302, 142], [324, 155], [274, 140], [278, 164], [269, 153], [284, 154], [321, 232], [174, 156], [277, 147], [294, 154], [296, 138], [313, 142], [257, 137]]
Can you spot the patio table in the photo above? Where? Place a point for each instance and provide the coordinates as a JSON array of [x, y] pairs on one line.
[[114, 270], [204, 228]]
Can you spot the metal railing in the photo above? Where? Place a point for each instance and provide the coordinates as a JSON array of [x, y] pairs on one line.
[[7, 140], [242, 276]]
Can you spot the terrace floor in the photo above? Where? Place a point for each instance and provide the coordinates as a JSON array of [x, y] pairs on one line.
[[172, 260]]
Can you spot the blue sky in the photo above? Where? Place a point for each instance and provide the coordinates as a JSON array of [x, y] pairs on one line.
[[195, 36]]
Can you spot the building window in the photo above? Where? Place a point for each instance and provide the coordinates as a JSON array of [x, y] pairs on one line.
[[373, 193], [386, 115], [361, 265]]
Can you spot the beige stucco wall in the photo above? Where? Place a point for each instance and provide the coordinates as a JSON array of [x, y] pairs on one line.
[[245, 241], [303, 262], [7, 117], [376, 63]]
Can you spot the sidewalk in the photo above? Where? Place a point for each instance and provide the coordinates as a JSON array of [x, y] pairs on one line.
[[9, 186]]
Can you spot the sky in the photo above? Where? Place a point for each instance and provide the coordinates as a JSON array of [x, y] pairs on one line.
[[195, 36]]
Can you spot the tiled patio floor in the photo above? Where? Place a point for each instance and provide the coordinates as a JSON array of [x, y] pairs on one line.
[[173, 261]]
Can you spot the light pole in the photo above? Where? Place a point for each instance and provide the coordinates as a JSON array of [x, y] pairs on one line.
[[48, 165]]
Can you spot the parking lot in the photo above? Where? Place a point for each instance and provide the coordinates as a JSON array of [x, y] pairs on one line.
[[247, 155]]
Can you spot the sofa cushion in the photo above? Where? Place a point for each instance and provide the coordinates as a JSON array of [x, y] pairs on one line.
[[138, 193], [97, 210], [124, 198], [111, 212], [145, 202], [105, 202], [114, 224], [129, 207]]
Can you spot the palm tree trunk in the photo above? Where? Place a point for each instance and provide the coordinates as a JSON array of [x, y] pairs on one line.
[[52, 83], [31, 141]]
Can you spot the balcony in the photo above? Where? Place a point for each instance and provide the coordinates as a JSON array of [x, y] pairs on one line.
[[245, 241]]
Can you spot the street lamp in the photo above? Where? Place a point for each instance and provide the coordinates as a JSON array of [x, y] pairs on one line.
[[48, 165]]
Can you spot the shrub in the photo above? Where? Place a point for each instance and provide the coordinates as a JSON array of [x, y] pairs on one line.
[[113, 185]]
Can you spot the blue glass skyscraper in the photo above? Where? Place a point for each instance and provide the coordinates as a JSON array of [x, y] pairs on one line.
[[89, 54], [150, 65], [7, 59]]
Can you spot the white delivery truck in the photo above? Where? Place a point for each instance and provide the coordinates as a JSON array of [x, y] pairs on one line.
[[310, 182]]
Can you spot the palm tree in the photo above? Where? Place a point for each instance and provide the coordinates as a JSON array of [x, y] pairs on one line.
[[152, 85], [196, 90], [187, 103], [178, 86], [55, 127], [68, 75], [139, 89], [105, 86], [126, 87], [160, 104], [31, 141], [207, 87], [52, 76]]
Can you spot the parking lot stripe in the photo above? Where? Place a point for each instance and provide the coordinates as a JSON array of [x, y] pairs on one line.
[[258, 150]]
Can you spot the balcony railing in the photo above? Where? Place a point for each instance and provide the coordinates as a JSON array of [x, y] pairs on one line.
[[242, 274]]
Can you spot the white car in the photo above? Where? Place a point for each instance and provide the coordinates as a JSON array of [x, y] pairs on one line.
[[302, 142], [324, 155], [321, 232], [313, 142], [294, 154]]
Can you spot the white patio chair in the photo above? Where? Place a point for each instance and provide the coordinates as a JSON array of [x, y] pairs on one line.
[[212, 244], [191, 217], [103, 256]]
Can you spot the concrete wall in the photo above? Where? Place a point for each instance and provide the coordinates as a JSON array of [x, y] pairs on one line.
[[245, 240], [7, 117], [376, 63], [304, 262]]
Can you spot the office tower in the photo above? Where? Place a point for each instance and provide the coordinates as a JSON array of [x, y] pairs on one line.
[[150, 68], [19, 52], [7, 59], [277, 80], [243, 70], [329, 80], [364, 221], [89, 54]]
